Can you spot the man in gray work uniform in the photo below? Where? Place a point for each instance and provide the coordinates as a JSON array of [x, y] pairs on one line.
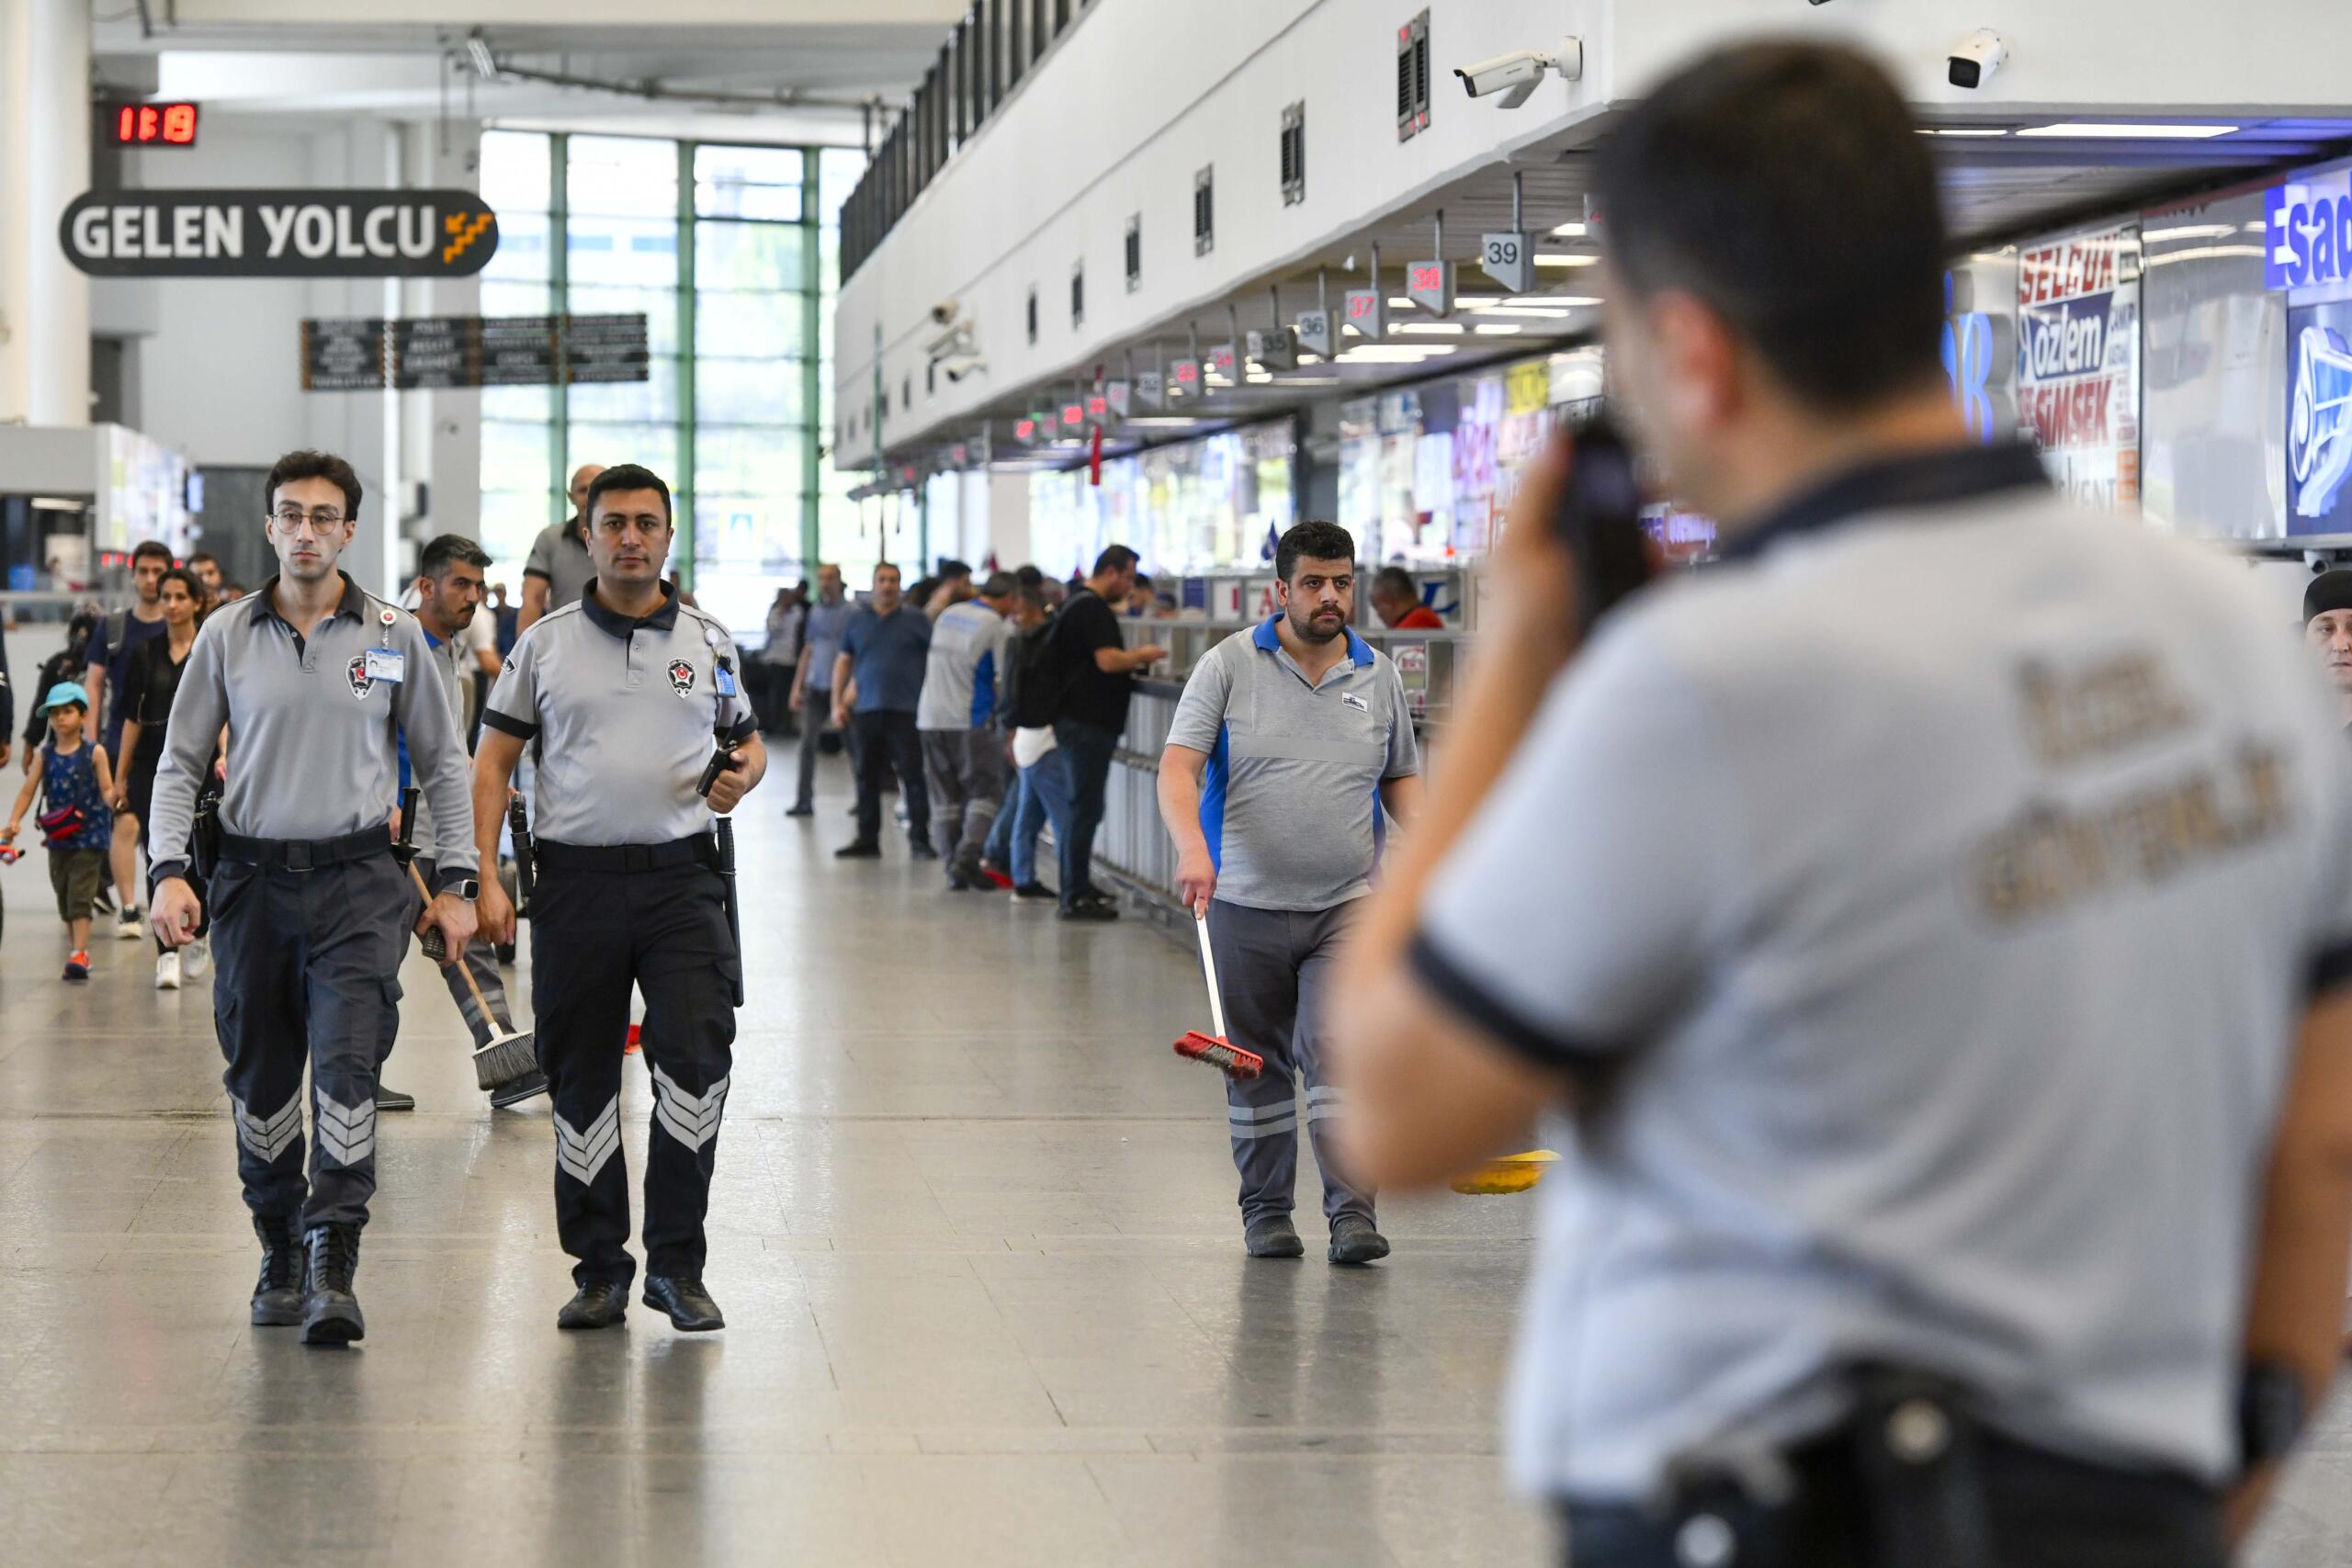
[[448, 596], [1932, 925], [1287, 746], [627, 691], [965, 765], [315, 681], [812, 685], [558, 567]]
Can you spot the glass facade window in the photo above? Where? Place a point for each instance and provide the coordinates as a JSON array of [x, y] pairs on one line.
[[732, 253]]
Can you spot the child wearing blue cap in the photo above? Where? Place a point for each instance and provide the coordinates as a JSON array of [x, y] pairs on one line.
[[76, 828]]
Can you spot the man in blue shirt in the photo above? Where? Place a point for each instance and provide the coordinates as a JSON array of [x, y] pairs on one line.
[[878, 685]]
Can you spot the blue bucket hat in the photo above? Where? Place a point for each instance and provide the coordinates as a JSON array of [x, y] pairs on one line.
[[63, 693]]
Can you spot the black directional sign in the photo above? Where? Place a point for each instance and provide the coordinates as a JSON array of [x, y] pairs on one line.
[[280, 233], [474, 351]]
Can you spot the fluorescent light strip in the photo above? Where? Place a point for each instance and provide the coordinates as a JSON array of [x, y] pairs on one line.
[[1551, 259], [1500, 328], [1444, 329], [1396, 353], [2125, 131], [1962, 131], [1532, 312], [1568, 232]]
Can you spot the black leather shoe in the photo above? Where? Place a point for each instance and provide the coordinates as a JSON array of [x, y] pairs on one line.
[[277, 1294], [689, 1305], [859, 849], [801, 809], [920, 850], [331, 1309], [1354, 1241], [531, 1083], [389, 1098], [600, 1305]]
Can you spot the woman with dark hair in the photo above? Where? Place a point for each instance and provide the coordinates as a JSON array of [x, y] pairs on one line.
[[148, 688], [66, 664]]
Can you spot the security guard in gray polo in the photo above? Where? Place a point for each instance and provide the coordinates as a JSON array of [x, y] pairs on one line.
[[1946, 962], [627, 691], [315, 681]]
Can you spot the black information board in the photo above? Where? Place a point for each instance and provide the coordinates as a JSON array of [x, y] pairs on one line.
[[474, 351], [278, 233], [346, 356]]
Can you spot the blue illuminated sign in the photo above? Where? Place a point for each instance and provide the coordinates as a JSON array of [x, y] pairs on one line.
[[2308, 226]]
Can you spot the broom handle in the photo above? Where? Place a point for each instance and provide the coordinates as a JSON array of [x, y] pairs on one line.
[[471, 984], [1208, 963]]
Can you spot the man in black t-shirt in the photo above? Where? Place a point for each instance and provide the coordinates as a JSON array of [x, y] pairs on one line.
[[1099, 674]]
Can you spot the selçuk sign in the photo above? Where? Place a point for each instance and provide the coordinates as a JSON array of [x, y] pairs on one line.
[[280, 233]]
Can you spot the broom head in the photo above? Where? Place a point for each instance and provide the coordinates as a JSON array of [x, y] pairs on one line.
[[506, 1058], [1221, 1053]]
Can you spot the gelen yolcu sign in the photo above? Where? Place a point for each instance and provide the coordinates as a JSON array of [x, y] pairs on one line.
[[280, 233]]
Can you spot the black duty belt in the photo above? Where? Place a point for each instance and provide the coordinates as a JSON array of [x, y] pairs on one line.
[[306, 854], [553, 859]]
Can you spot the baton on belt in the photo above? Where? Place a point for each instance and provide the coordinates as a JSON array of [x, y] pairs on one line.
[[726, 830], [518, 821]]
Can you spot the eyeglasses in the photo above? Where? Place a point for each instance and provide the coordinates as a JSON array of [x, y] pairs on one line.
[[320, 519]]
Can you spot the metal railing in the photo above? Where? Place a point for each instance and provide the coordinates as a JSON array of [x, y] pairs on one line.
[[984, 61]]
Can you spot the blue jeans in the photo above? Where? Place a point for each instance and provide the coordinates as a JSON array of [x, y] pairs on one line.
[[1044, 797], [1086, 752]]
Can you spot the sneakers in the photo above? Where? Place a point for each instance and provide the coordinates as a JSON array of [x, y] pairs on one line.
[[598, 1306], [1035, 893], [196, 958], [77, 967], [859, 849], [167, 972], [1097, 910], [1273, 1236], [689, 1306], [130, 928], [1354, 1241]]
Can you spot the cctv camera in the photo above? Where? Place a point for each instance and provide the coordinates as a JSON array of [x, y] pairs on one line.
[[943, 312], [1976, 57], [1516, 75], [962, 365]]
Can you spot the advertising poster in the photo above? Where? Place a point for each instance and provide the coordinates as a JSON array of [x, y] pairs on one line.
[[2078, 361], [2319, 419]]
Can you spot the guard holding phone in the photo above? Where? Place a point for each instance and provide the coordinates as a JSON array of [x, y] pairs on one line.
[[315, 680], [627, 691]]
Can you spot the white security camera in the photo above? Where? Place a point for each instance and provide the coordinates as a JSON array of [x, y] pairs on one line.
[[959, 365], [1516, 75], [954, 337], [945, 312], [1976, 57]]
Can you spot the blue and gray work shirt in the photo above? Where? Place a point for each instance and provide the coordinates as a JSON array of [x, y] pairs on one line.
[[971, 650], [314, 725], [628, 711], [1290, 800], [1938, 883]]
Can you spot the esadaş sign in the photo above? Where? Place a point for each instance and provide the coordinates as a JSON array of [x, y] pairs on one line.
[[2307, 229]]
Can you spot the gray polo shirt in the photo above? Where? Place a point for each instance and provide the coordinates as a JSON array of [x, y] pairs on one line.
[[1938, 884], [314, 726], [560, 554], [970, 646], [1290, 800], [626, 712]]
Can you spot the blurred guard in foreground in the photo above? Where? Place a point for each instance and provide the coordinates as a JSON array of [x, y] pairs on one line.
[[1940, 957], [626, 690]]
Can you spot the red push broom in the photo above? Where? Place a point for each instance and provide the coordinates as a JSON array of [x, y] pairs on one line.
[[1216, 1049]]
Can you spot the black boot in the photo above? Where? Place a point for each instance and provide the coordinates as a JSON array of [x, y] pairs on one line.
[[331, 1312], [277, 1294]]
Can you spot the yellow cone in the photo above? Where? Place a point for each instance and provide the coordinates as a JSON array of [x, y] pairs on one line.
[[1512, 1173]]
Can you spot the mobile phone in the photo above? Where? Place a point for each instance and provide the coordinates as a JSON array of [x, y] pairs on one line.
[[1599, 517]]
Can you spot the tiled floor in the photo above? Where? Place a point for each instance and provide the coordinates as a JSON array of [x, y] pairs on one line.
[[974, 1234]]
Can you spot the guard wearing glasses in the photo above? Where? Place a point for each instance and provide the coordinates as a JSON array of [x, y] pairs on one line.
[[315, 680], [626, 690]]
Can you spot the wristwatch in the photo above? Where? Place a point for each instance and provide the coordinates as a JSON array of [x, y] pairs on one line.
[[469, 889]]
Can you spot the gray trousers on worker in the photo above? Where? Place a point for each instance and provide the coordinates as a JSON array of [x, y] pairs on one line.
[[307, 976], [967, 771], [1274, 969], [816, 719], [481, 960]]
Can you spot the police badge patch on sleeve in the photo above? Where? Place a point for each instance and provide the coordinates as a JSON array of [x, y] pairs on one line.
[[682, 677]]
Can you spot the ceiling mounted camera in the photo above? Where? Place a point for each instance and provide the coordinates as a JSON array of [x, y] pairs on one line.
[[1516, 75], [1976, 57]]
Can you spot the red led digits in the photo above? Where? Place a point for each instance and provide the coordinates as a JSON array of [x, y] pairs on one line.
[[179, 124], [155, 125]]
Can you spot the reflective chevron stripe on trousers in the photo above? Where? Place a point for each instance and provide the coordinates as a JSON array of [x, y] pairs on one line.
[[596, 934], [306, 977], [1274, 968]]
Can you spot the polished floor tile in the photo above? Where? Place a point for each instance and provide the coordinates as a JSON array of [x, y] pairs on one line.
[[973, 1231]]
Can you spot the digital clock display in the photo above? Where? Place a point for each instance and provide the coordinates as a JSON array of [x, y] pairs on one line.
[[154, 124]]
